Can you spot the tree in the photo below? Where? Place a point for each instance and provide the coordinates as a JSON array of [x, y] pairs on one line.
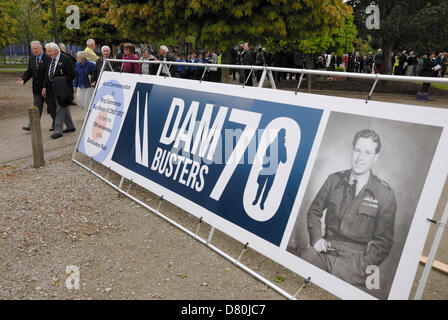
[[402, 23], [220, 24], [30, 23], [427, 30], [8, 24], [93, 22]]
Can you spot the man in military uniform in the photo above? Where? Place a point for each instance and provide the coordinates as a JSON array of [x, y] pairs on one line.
[[359, 220]]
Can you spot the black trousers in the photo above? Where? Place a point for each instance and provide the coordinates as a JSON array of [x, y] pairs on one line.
[[38, 101], [425, 86]]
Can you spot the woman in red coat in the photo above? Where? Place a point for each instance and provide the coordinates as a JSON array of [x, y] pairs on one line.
[[130, 67]]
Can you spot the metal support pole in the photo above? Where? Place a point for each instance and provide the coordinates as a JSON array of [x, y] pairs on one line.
[[159, 70], [160, 203], [242, 252], [263, 77], [300, 82], [432, 254], [203, 75], [107, 175], [197, 229], [210, 235], [305, 282], [248, 77], [55, 23], [121, 183], [110, 66], [371, 90], [129, 187]]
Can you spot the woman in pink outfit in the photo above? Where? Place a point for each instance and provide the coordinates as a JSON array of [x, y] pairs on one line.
[[130, 67]]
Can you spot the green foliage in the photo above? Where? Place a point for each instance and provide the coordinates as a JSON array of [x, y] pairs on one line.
[[93, 22], [220, 24], [414, 25], [339, 39], [30, 22], [279, 279], [8, 24]]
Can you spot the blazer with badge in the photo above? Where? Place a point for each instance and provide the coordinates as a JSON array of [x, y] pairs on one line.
[[37, 72], [64, 68], [366, 219]]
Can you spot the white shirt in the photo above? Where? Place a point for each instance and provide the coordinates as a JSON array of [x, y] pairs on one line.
[[361, 181], [56, 63]]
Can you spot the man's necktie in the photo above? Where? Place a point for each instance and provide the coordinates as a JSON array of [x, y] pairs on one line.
[[353, 188], [52, 68], [37, 63]]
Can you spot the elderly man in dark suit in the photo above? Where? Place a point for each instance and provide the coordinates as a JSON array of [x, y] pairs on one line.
[[58, 86], [37, 66]]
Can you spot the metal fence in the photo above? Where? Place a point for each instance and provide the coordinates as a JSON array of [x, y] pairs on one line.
[[20, 53], [267, 72]]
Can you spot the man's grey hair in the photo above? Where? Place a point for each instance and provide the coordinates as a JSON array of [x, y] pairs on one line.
[[81, 54], [105, 47], [90, 42], [52, 46], [35, 42], [164, 48], [62, 46]]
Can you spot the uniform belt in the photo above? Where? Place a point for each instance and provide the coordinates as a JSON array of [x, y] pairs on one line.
[[336, 240]]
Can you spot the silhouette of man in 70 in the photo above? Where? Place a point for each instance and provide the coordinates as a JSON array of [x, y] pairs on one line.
[[275, 153]]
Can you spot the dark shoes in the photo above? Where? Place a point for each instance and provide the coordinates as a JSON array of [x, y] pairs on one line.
[[26, 128], [69, 130], [56, 136], [51, 129]]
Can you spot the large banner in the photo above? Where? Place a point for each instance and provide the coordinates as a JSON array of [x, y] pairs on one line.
[[332, 188]]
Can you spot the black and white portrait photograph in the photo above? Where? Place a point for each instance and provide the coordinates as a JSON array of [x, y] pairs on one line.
[[361, 198]]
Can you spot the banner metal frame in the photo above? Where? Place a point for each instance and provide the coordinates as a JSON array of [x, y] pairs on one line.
[[267, 72]]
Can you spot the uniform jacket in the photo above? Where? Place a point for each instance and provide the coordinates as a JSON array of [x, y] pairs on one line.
[[37, 73], [366, 220], [64, 68], [98, 66]]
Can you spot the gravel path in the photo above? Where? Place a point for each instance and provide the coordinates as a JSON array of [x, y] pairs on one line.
[[62, 215]]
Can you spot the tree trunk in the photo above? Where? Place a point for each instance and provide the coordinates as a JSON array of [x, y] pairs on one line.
[[225, 72], [309, 65], [387, 60]]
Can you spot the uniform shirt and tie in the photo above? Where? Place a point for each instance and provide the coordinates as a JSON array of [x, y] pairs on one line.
[[38, 60], [53, 65], [359, 224]]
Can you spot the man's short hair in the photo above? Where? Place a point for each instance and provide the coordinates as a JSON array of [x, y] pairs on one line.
[[105, 47], [52, 46], [61, 45], [90, 42], [368, 134], [164, 48], [36, 43]]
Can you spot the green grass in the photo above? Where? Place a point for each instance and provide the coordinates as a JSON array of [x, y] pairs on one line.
[[13, 66], [441, 86]]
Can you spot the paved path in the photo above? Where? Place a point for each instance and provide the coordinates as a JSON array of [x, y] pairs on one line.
[[15, 143]]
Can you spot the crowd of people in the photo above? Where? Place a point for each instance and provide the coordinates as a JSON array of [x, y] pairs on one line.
[[80, 75]]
